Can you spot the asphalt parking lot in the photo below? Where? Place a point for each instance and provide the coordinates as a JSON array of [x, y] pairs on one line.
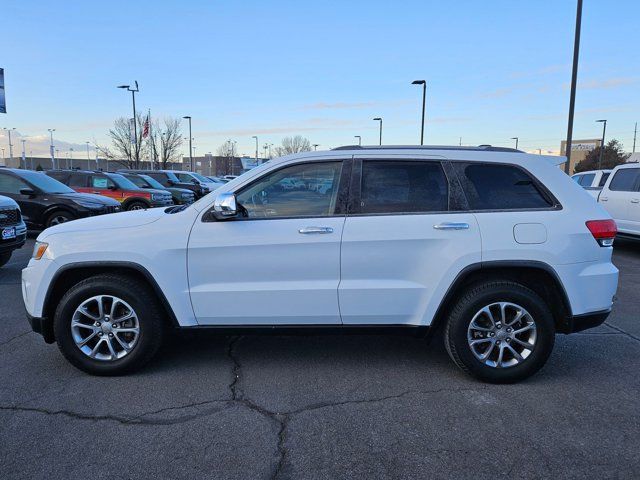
[[324, 407]]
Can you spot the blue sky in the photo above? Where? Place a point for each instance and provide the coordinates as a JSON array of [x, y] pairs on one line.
[[494, 70]]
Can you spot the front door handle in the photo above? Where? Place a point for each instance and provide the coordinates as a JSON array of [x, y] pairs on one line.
[[311, 230], [604, 199], [451, 226], [635, 200]]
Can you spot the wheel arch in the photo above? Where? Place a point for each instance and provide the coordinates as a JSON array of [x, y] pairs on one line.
[[538, 276], [71, 274], [127, 203], [56, 208]]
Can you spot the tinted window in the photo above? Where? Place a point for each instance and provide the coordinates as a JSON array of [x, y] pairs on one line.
[[11, 184], [137, 181], [500, 187], [122, 182], [577, 178], [403, 187], [78, 180], [603, 180], [625, 180], [185, 177], [308, 190], [587, 179], [160, 177]]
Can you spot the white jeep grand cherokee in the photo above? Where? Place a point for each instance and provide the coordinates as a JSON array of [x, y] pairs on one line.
[[498, 248]]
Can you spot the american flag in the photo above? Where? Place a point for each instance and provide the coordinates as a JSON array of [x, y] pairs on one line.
[[145, 130]]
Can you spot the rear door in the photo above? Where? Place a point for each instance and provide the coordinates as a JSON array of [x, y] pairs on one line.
[[622, 200], [405, 239]]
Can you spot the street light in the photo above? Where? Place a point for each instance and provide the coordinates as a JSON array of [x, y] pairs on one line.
[[256, 137], [8, 130], [572, 96], [24, 154], [315, 146], [379, 119], [516, 139], [424, 99], [53, 157], [71, 157], [190, 144], [359, 139], [604, 129], [135, 121]]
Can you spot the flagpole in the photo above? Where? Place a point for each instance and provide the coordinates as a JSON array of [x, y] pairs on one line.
[[150, 143]]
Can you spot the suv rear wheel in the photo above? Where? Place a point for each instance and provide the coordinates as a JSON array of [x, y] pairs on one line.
[[500, 332], [109, 325]]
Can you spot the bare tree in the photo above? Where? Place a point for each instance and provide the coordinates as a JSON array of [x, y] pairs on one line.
[[165, 141], [122, 150], [293, 145], [228, 150]]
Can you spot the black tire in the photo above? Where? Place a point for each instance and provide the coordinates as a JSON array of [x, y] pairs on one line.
[[151, 320], [58, 217], [4, 258], [476, 298], [136, 205]]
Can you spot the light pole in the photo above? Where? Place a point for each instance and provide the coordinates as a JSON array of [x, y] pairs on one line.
[[256, 137], [379, 119], [24, 154], [265, 150], [516, 139], [574, 78], [8, 130], [53, 157], [424, 100], [190, 144], [315, 146], [359, 139], [604, 129], [135, 120], [71, 156]]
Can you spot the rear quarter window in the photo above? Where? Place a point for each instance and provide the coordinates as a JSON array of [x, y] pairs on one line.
[[490, 186]]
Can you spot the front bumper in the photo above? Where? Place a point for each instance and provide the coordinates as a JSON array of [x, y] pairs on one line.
[[42, 326], [14, 243], [578, 323]]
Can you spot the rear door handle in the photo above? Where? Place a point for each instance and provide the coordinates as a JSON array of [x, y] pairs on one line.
[[312, 230], [604, 199], [451, 226]]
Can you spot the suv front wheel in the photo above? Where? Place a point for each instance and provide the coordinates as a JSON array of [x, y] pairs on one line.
[[500, 332], [109, 324]]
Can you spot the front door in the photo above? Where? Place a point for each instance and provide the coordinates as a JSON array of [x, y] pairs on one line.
[[280, 262], [403, 243], [620, 198]]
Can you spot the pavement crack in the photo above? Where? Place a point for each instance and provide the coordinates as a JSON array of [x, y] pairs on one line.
[[15, 337], [622, 332], [235, 371]]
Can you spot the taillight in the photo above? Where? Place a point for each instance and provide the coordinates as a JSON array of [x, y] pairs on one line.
[[604, 231]]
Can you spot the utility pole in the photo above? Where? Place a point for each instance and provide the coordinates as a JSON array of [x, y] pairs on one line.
[[24, 154], [604, 129], [8, 130], [574, 79], [635, 131], [256, 137], [379, 119], [190, 143], [53, 156]]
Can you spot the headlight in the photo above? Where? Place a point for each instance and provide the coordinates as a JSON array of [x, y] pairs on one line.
[[87, 204], [186, 195], [38, 250]]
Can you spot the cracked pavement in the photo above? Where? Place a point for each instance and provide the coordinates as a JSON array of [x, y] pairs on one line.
[[321, 407]]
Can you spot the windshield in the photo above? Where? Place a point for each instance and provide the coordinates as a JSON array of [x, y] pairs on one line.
[[137, 180], [45, 182], [152, 181], [123, 182], [201, 178]]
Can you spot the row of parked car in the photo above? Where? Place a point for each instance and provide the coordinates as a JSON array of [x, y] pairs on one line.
[[618, 191], [37, 200]]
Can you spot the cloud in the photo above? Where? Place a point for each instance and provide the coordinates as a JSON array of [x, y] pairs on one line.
[[338, 105], [498, 93], [549, 69], [39, 145], [603, 84]]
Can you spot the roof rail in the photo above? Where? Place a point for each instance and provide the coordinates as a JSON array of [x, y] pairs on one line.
[[479, 148]]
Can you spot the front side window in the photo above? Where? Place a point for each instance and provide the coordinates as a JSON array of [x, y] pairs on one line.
[[100, 181], [78, 180], [604, 178], [625, 180], [185, 178], [500, 187], [587, 179], [403, 187], [11, 184], [45, 182], [306, 190]]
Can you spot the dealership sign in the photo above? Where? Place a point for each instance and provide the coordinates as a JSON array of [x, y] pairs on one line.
[[3, 104], [583, 146]]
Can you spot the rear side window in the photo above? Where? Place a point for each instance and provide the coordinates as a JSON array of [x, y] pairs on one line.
[[160, 177], [403, 187], [77, 180], [500, 187], [587, 179], [11, 184], [625, 180]]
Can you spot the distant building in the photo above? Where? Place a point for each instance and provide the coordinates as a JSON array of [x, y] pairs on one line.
[[579, 151]]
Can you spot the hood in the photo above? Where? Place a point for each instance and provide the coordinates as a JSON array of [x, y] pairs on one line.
[[109, 221], [88, 197], [156, 191], [7, 202], [180, 190]]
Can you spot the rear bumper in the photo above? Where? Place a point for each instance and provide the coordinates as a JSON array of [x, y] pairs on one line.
[[578, 323]]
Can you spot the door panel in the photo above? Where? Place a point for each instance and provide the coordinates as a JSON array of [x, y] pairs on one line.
[[397, 268]]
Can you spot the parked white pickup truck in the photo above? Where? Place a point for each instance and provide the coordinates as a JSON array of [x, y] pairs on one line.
[[620, 196], [592, 181]]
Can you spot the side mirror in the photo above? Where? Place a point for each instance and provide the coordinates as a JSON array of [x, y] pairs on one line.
[[28, 191], [225, 206], [171, 182], [112, 187], [193, 180]]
